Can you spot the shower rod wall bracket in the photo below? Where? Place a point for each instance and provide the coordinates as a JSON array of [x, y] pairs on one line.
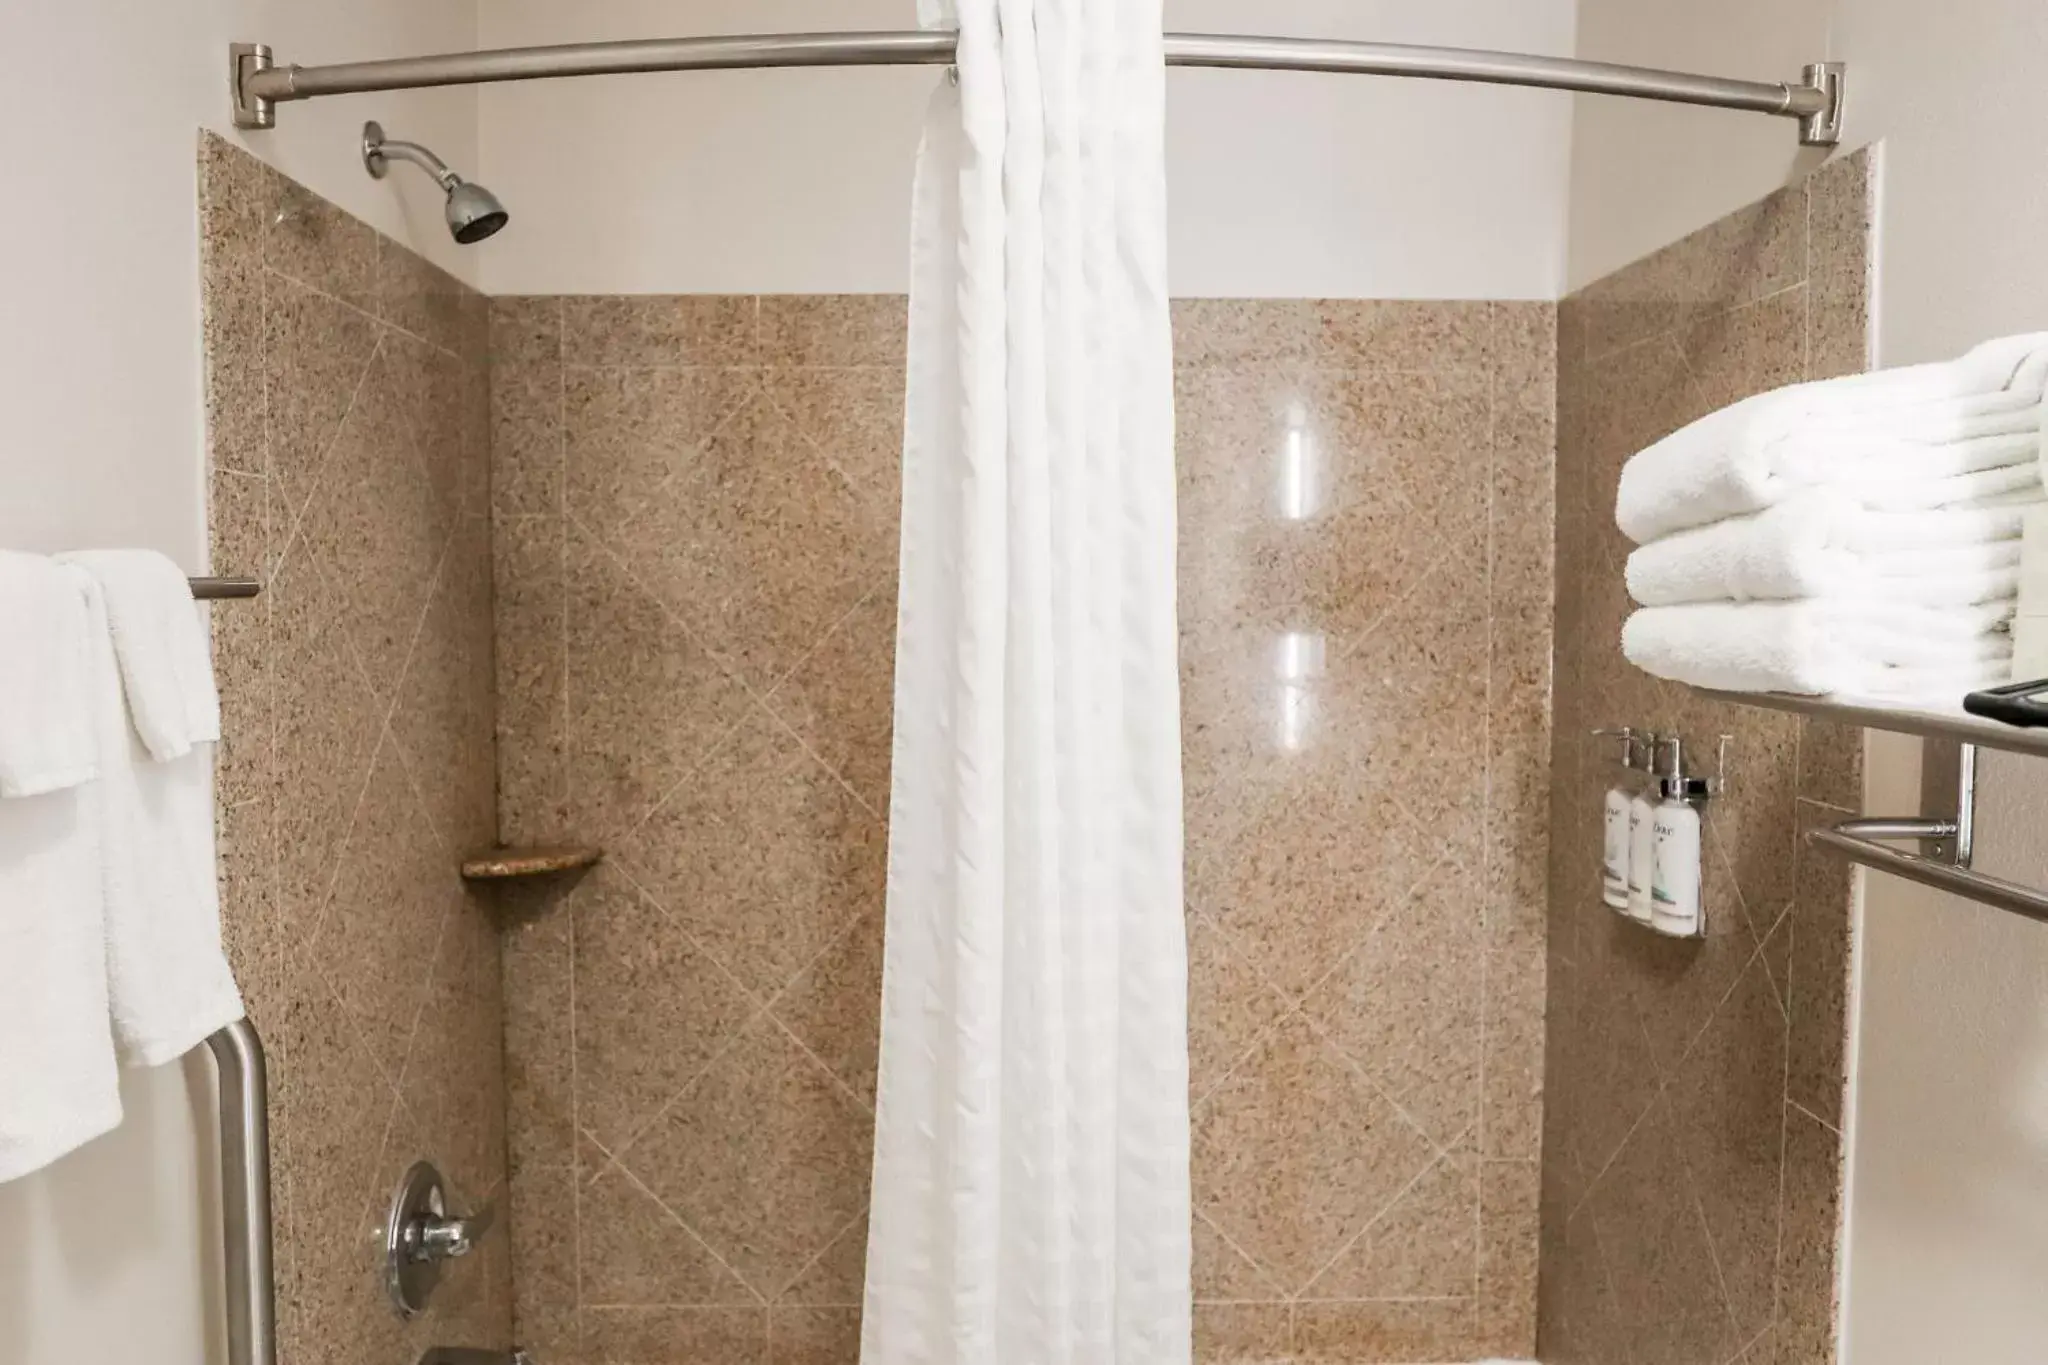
[[250, 109], [1823, 127], [260, 84]]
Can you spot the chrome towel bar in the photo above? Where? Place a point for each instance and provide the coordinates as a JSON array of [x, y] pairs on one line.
[[1961, 881], [245, 1193], [1949, 774], [222, 589]]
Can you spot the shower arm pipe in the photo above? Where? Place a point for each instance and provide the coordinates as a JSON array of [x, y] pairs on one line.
[[258, 85], [392, 150]]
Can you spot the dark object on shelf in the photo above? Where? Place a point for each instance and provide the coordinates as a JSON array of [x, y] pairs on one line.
[[2014, 704]]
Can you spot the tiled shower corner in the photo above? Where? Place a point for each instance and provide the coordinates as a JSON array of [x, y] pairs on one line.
[[1692, 1144], [347, 408]]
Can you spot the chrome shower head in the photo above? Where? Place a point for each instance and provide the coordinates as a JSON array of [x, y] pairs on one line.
[[473, 212]]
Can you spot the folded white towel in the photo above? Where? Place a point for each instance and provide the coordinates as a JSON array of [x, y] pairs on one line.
[[1952, 425], [46, 739], [1866, 530], [160, 642], [1821, 647], [1818, 545], [168, 982], [58, 1084]]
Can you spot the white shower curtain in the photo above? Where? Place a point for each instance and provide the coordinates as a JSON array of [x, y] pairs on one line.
[[1031, 1130]]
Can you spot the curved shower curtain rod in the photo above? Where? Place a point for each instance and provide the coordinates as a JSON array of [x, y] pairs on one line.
[[258, 85]]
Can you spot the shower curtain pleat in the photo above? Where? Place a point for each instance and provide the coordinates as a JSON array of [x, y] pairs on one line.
[[1031, 1148]]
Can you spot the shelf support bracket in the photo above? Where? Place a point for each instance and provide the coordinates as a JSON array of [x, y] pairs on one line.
[[1948, 774]]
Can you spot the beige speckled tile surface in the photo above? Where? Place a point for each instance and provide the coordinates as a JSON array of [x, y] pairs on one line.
[[347, 433], [1366, 664], [1689, 1166]]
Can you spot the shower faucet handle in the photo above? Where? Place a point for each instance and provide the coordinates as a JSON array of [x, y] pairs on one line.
[[421, 1236], [443, 1237]]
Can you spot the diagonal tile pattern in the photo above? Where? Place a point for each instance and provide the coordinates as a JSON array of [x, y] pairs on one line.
[[695, 558], [1690, 1153], [348, 450], [694, 531]]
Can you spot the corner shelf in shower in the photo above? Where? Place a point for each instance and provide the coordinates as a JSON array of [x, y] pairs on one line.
[[513, 864], [1950, 723]]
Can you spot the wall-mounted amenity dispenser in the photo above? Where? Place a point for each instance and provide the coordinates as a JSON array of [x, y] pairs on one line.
[[1651, 832], [1614, 826], [1641, 827], [1675, 865]]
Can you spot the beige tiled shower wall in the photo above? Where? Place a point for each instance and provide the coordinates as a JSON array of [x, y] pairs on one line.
[[695, 510], [1692, 1144], [348, 429]]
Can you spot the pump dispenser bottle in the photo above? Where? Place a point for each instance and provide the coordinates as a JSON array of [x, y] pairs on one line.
[[1675, 858], [1614, 826], [1642, 832]]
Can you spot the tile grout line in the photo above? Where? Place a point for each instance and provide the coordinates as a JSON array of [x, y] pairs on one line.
[[623, 866], [290, 538], [715, 744], [1443, 1157], [1712, 312], [560, 782], [331, 297], [1786, 1105], [1713, 825], [1294, 1006], [325, 896], [627, 1173], [808, 1266], [1706, 1229], [756, 706], [1813, 1117], [1657, 1097], [441, 931], [566, 794], [1249, 1259], [1487, 811], [1379, 1088], [763, 1007], [758, 1009]]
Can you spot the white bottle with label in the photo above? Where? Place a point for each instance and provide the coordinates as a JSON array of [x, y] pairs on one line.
[[1675, 860], [1614, 830], [1642, 832]]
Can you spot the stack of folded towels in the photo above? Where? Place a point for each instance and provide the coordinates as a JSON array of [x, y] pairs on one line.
[[1856, 537], [110, 947]]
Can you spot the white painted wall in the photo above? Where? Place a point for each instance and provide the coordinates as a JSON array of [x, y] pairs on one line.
[[1281, 184], [1948, 1199], [111, 1254]]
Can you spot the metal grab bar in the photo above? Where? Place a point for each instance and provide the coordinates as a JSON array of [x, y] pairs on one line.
[[1846, 840], [245, 1193]]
